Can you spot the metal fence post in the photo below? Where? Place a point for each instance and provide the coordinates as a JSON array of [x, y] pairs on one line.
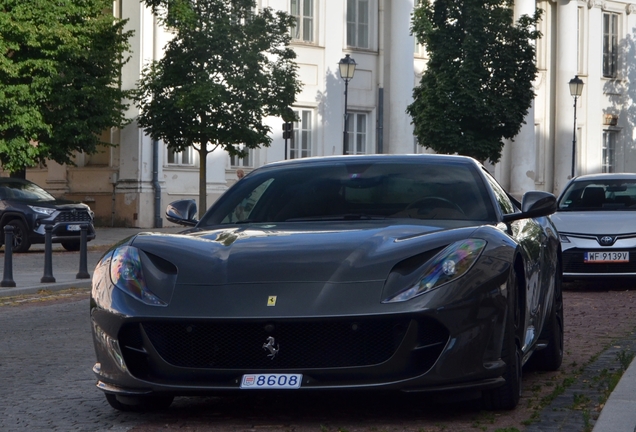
[[83, 272], [48, 255], [7, 279]]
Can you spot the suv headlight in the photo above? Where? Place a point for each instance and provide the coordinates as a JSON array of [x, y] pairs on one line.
[[43, 210], [449, 264]]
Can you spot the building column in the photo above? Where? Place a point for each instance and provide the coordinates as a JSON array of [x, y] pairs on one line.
[[566, 69], [401, 77], [522, 165]]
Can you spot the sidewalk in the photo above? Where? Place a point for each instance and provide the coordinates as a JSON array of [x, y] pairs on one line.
[[28, 268], [618, 415]]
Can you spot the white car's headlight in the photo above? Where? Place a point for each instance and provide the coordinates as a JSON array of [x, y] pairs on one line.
[[44, 210], [449, 264], [127, 275]]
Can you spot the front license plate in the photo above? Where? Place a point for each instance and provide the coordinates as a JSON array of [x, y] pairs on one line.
[[604, 257], [271, 381], [73, 228]]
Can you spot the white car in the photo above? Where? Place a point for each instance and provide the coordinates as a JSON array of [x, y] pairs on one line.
[[596, 220]]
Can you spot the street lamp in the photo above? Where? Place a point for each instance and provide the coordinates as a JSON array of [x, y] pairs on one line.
[[576, 88], [347, 69]]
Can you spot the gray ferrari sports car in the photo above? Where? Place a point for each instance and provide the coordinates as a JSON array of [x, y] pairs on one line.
[[415, 273]]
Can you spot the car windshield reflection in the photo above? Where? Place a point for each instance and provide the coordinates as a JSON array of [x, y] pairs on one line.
[[349, 191]]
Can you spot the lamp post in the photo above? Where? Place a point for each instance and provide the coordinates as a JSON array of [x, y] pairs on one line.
[[347, 67], [576, 88]]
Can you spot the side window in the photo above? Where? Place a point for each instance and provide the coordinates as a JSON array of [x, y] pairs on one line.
[[610, 44], [242, 211], [358, 22], [504, 202], [303, 11]]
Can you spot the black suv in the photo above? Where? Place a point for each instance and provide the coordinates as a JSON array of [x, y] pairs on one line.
[[29, 208]]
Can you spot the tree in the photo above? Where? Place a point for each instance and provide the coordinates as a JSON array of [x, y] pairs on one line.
[[226, 69], [60, 67], [477, 87]]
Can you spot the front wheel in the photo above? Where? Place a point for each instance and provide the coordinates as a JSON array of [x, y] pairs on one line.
[[21, 241], [507, 396], [139, 403]]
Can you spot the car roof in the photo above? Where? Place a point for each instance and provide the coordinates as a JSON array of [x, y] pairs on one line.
[[14, 180], [377, 157], [606, 176]]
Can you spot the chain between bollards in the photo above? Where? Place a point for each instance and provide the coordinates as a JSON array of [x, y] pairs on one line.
[[83, 272], [48, 255], [7, 280]]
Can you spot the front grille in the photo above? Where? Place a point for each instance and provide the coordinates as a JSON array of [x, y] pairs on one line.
[[334, 343], [573, 263], [66, 216]]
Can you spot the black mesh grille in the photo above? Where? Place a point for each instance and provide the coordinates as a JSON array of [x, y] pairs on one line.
[[302, 345], [73, 216], [573, 263]]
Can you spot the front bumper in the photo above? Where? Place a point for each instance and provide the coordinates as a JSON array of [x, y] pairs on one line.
[[428, 344], [574, 265]]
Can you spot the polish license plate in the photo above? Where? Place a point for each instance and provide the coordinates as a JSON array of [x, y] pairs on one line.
[[73, 228], [605, 257], [271, 381]]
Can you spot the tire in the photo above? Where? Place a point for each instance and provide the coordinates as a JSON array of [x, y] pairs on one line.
[[551, 357], [506, 397], [71, 246], [21, 241], [139, 403]]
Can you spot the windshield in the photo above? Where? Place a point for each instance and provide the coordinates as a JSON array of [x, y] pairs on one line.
[[24, 190], [599, 195], [355, 191]]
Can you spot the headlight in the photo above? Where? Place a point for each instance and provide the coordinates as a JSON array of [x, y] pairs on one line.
[[127, 275], [44, 210], [564, 238], [450, 264]]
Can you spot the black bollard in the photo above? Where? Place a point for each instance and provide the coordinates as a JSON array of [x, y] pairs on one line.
[[48, 255], [83, 272], [7, 280]]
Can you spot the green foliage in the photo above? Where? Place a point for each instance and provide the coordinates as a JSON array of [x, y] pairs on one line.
[[59, 78], [227, 68], [477, 87]]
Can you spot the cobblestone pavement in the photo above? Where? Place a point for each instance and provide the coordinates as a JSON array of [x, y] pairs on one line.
[[46, 357]]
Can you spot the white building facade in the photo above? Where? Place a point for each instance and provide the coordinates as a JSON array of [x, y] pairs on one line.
[[130, 184]]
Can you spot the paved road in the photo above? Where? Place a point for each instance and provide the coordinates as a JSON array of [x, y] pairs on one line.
[[45, 371]]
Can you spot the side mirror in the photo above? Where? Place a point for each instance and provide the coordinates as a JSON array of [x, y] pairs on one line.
[[534, 204], [182, 212]]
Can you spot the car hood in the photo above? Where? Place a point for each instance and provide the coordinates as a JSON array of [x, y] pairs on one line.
[[57, 203], [297, 252], [595, 222]]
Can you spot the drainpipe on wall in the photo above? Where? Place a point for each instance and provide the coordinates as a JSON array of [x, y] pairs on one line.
[[155, 183], [380, 127]]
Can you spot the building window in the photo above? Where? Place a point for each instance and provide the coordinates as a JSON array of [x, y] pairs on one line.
[[610, 44], [247, 161], [185, 157], [358, 20], [609, 152], [303, 11], [301, 139], [357, 133]]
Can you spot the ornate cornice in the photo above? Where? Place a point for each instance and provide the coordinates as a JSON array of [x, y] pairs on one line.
[[630, 8], [600, 4]]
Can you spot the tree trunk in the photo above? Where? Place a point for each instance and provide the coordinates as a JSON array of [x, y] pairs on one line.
[[19, 174], [203, 173]]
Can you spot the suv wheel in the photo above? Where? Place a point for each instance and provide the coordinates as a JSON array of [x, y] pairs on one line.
[[71, 246], [21, 241]]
